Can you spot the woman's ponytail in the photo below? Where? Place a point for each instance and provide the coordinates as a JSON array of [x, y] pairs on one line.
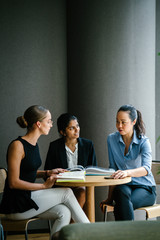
[[139, 126]]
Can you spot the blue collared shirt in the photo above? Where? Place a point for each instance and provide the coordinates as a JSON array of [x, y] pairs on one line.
[[139, 155]]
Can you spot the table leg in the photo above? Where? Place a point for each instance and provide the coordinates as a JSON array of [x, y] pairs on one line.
[[90, 203]]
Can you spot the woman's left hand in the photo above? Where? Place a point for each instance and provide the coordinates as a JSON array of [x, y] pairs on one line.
[[55, 171], [119, 174]]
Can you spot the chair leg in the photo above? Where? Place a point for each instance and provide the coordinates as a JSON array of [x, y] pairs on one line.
[[5, 235], [1, 233], [26, 235], [105, 214], [49, 225]]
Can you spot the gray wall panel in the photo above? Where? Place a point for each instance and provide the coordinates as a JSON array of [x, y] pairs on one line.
[[111, 61], [32, 64], [158, 79]]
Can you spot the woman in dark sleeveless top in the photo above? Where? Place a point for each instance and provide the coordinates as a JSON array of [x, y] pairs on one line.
[[22, 197]]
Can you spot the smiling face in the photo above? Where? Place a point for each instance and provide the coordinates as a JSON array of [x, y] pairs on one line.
[[124, 124], [72, 130]]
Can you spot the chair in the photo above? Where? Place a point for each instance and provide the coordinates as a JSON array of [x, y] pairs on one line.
[[14, 225], [1, 232], [151, 211]]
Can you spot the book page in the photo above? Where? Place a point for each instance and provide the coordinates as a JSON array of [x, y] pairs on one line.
[[75, 175]]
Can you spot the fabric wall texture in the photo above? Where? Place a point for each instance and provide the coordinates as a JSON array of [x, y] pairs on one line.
[[33, 64], [87, 57], [111, 62]]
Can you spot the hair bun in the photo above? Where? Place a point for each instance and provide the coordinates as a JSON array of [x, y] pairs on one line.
[[22, 122]]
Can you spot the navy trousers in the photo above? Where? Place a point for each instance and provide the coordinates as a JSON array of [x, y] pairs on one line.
[[130, 197]]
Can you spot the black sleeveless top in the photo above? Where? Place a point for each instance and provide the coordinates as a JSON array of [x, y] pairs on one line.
[[15, 200]]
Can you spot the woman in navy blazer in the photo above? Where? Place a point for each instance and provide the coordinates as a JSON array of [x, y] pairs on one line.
[[70, 150]]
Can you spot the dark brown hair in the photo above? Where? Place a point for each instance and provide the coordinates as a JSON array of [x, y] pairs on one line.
[[63, 121], [134, 114]]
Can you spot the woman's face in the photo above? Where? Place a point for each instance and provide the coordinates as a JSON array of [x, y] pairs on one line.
[[72, 130], [46, 124], [124, 124]]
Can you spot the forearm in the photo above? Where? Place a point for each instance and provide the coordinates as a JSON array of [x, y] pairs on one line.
[[138, 172], [24, 185], [41, 173]]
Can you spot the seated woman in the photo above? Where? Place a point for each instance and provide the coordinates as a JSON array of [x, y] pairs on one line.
[[130, 155], [70, 150], [22, 197]]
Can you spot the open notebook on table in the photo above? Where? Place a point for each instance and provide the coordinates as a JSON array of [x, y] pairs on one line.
[[92, 170], [78, 176]]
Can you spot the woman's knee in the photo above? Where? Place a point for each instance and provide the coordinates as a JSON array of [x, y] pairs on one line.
[[122, 191], [68, 192], [62, 212]]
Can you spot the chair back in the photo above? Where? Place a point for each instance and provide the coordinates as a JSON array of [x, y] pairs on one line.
[[3, 175], [155, 170]]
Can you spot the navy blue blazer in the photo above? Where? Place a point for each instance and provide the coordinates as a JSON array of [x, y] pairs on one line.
[[57, 157]]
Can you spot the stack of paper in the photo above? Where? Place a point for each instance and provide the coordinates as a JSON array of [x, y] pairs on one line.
[[78, 176]]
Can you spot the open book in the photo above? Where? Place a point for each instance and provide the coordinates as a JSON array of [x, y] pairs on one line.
[[93, 170], [78, 176]]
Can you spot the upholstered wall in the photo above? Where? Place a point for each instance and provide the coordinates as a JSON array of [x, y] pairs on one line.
[[33, 64], [111, 61], [157, 78], [87, 57]]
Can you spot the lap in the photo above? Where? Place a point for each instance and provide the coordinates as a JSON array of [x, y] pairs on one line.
[[55, 212], [138, 195], [45, 199]]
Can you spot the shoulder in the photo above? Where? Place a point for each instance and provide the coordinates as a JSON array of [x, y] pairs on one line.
[[57, 142], [15, 146], [17, 143], [113, 136], [84, 141], [144, 141], [141, 139]]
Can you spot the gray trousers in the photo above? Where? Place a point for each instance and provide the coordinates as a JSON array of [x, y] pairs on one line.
[[58, 204]]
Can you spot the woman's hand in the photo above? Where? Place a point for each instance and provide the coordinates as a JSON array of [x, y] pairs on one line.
[[55, 171], [50, 181], [136, 172], [119, 174]]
